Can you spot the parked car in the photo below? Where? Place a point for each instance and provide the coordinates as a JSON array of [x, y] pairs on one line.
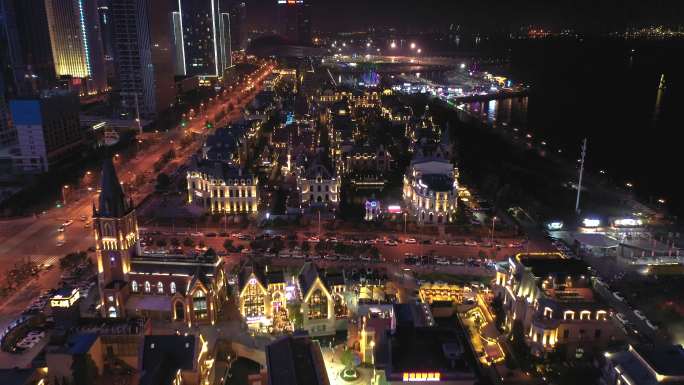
[[621, 317], [639, 314], [440, 242], [618, 296], [410, 240], [391, 242], [455, 243], [650, 325]]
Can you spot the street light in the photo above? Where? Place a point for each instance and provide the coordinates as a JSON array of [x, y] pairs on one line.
[[493, 221], [419, 50], [64, 189], [393, 45], [413, 45]]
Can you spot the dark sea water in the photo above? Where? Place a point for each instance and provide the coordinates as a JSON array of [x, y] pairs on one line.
[[604, 91]]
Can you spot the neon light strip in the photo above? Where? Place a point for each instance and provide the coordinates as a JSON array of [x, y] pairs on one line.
[[182, 34], [213, 27], [85, 39]]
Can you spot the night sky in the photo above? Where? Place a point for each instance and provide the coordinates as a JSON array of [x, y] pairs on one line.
[[483, 15]]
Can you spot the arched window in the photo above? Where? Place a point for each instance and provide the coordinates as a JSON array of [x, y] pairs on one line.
[[253, 300], [111, 312], [147, 287], [318, 305], [173, 288], [199, 304], [160, 288], [134, 286]]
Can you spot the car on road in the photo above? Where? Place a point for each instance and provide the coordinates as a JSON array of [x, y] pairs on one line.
[[83, 218], [196, 234], [314, 256], [245, 251], [391, 242], [470, 243], [330, 257], [410, 241], [639, 314], [650, 325], [244, 237], [68, 223], [313, 240], [365, 258], [60, 229], [370, 241], [442, 261], [618, 296], [455, 243], [86, 225], [332, 240], [621, 317], [346, 258], [440, 242], [60, 243]]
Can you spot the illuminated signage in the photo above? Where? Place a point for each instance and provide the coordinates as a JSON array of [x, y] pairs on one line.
[[627, 222], [394, 209], [422, 377], [591, 222], [64, 301], [556, 225]]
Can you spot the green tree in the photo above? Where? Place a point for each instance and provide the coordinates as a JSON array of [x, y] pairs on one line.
[[161, 242], [175, 242], [518, 345], [188, 242], [347, 359], [305, 247]]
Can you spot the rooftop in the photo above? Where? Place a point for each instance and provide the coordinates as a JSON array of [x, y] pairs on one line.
[[553, 264], [295, 360]]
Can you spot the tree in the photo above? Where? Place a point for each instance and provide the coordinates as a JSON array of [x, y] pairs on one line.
[[305, 247], [228, 245], [84, 370], [499, 313], [161, 242], [278, 245], [518, 344], [374, 252], [347, 359], [163, 182], [210, 252], [175, 242], [188, 242]]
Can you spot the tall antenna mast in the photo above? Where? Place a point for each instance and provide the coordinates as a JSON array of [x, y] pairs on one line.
[[579, 185]]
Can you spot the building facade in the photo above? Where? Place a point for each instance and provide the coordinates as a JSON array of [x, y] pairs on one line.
[[174, 288], [144, 56], [205, 38], [318, 184], [644, 365], [77, 44], [261, 296], [294, 21], [219, 187], [48, 130], [323, 306], [553, 298]]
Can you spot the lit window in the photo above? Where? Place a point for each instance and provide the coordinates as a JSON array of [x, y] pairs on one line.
[[569, 315], [199, 304], [147, 287], [585, 315], [173, 288], [134, 286], [160, 288], [111, 312]]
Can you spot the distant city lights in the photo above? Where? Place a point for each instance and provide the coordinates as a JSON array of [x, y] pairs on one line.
[[591, 222]]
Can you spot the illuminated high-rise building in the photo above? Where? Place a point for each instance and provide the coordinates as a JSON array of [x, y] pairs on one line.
[[144, 55], [238, 26], [205, 48], [294, 21], [77, 43], [25, 43]]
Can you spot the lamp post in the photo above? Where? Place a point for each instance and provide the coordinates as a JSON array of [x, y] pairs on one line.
[[405, 214], [493, 221], [64, 190]]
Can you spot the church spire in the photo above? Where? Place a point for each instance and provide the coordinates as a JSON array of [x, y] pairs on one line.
[[113, 202]]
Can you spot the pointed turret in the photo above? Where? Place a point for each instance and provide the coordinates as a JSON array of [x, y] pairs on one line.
[[113, 202]]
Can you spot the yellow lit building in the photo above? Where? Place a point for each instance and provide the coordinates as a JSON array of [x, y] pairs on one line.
[[554, 299], [222, 188]]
